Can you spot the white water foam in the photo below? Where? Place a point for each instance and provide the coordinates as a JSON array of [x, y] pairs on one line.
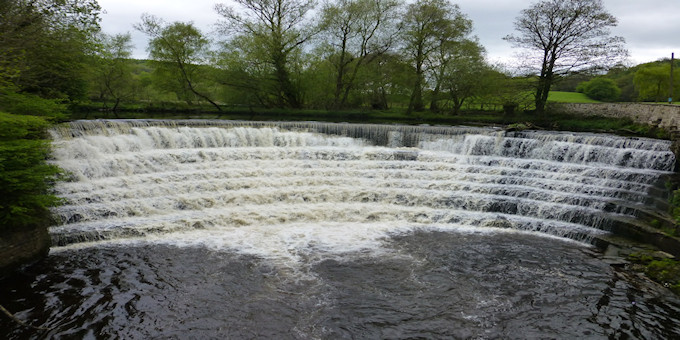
[[289, 191]]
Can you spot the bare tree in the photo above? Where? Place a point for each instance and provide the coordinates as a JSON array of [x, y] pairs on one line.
[[277, 25], [566, 35]]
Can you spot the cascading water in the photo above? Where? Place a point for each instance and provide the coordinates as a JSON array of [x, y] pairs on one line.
[[207, 184], [327, 230]]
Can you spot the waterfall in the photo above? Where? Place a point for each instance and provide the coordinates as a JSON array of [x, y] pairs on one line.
[[283, 188]]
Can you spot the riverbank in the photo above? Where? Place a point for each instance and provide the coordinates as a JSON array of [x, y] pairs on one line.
[[22, 246]]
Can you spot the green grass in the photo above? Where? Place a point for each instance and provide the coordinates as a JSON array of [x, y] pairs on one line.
[[569, 97]]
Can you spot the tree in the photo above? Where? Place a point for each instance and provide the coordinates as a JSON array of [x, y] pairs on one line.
[[600, 88], [247, 74], [25, 176], [462, 74], [388, 81], [426, 25], [456, 60], [113, 69], [279, 28], [43, 48], [358, 31], [180, 50], [565, 35], [44, 43], [652, 81]]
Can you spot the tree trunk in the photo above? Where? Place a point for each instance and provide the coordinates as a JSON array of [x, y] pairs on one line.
[[339, 102], [287, 91], [542, 92], [185, 75], [115, 107], [416, 101], [434, 106]]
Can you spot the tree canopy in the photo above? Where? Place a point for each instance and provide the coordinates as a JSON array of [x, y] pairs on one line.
[[280, 28], [652, 81], [564, 35], [355, 33], [180, 48], [335, 55], [428, 26], [44, 48], [113, 77], [43, 45]]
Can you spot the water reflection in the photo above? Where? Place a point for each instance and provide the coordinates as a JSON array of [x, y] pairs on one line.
[[423, 285]]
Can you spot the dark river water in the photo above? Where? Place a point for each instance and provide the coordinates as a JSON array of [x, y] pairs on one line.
[[425, 284]]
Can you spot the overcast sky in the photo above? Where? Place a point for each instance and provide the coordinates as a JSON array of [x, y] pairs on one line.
[[651, 27]]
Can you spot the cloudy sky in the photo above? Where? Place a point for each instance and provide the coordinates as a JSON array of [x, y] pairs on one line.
[[651, 27]]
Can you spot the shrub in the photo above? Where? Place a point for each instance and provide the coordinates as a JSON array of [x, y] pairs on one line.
[[25, 176], [603, 89], [30, 104]]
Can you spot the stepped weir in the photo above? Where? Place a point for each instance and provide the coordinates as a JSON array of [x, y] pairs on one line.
[[131, 179]]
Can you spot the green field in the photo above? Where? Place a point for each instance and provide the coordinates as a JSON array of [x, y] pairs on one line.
[[569, 97]]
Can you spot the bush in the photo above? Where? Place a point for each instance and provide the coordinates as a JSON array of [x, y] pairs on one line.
[[603, 89], [30, 104], [25, 176]]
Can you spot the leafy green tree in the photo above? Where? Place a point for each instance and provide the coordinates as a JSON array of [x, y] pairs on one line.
[[499, 88], [43, 49], [600, 88], [388, 82], [25, 177], [455, 61], [112, 72], [356, 32], [279, 29], [564, 35], [427, 25], [44, 43], [623, 76], [179, 49], [652, 81], [319, 79], [462, 74], [250, 77], [31, 104]]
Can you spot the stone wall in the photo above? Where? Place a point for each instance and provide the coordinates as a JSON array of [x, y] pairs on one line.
[[660, 115], [18, 247]]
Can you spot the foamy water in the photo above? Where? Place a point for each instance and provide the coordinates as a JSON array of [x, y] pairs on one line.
[[286, 190]]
